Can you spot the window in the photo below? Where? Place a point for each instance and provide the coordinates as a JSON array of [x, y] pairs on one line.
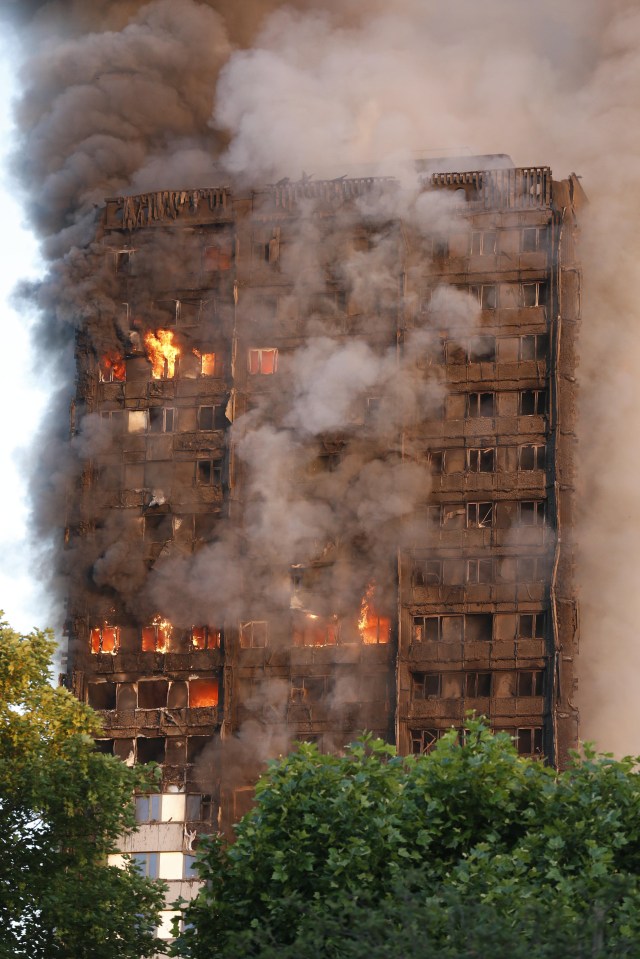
[[147, 863], [529, 741], [199, 808], [124, 261], [253, 635], [428, 629], [455, 352], [533, 346], [308, 689], [426, 685], [479, 571], [217, 258], [150, 749], [115, 419], [436, 461], [481, 404], [372, 408], [531, 569], [152, 693], [156, 638], [533, 239], [483, 242], [203, 692], [481, 460], [208, 364], [112, 368], [264, 361], [532, 457], [477, 684], [486, 295], [189, 867], [533, 402], [161, 419], [533, 294], [453, 517], [211, 418], [105, 639], [148, 808], [440, 247], [482, 349], [313, 630], [531, 512], [423, 740], [531, 626], [427, 573], [480, 515], [203, 637], [208, 473], [138, 421], [196, 745], [102, 695], [478, 627], [529, 682]]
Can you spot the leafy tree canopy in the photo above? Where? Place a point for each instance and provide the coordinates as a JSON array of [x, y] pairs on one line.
[[62, 807], [470, 851]]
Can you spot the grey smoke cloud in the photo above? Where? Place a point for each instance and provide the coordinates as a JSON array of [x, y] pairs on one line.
[[128, 96]]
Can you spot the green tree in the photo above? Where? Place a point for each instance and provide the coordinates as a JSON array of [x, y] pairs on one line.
[[468, 852], [62, 807]]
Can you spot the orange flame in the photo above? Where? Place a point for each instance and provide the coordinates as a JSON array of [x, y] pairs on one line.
[[105, 639], [112, 367], [372, 627], [157, 637], [161, 353]]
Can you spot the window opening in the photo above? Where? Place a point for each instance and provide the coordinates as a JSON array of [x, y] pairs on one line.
[[105, 639], [263, 361], [532, 457], [533, 402], [481, 460], [481, 404], [253, 635], [480, 515]]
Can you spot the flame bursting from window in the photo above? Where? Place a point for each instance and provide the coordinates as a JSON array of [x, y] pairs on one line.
[[207, 363], [161, 353], [157, 637], [373, 627], [112, 368], [203, 637]]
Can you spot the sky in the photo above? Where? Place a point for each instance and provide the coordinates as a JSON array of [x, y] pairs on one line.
[[25, 392]]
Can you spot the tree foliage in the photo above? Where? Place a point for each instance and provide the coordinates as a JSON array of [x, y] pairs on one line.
[[470, 851], [62, 807]]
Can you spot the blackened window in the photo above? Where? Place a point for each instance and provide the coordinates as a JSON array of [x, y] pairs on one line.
[[481, 404], [533, 402]]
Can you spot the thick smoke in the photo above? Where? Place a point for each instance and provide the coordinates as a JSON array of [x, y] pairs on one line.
[[125, 96]]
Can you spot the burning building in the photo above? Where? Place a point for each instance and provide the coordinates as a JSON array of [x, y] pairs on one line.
[[325, 442]]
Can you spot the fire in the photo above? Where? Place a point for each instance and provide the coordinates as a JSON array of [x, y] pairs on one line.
[[373, 627], [157, 637], [112, 368], [203, 692], [207, 363], [162, 353], [105, 639]]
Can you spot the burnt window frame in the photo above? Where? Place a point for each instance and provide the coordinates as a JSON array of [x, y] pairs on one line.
[[477, 684], [538, 625], [480, 564], [473, 355], [540, 296], [215, 472], [480, 455], [483, 509], [168, 419], [425, 686], [427, 573], [538, 564], [482, 244], [252, 644], [539, 513], [474, 404], [419, 621], [539, 404], [535, 680], [540, 347], [218, 418], [536, 457], [425, 739], [541, 239], [116, 640]]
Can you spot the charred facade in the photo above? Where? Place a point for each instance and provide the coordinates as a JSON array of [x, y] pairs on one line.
[[324, 434]]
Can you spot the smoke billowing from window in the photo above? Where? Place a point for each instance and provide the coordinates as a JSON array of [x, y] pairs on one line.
[[125, 96]]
